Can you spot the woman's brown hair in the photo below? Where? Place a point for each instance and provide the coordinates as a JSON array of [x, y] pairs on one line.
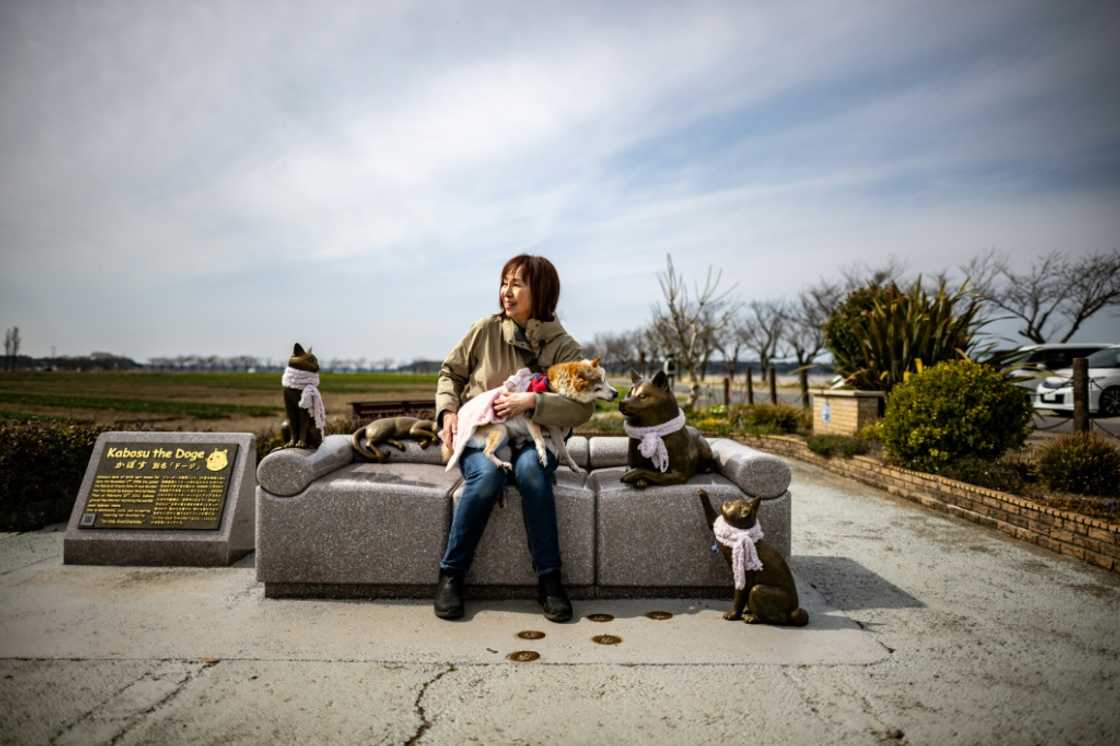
[[543, 282]]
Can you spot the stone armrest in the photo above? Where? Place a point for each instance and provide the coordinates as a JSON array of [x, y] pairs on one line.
[[290, 471], [756, 473]]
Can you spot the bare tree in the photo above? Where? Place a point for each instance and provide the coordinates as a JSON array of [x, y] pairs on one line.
[[803, 328], [1052, 299], [11, 347], [765, 323], [615, 351], [683, 325], [732, 341]]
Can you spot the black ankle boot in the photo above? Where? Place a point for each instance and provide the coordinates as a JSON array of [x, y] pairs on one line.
[[449, 594], [553, 598]]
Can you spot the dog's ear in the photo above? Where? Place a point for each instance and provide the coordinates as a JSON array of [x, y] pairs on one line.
[[595, 362], [752, 507], [635, 378], [660, 380], [298, 350]]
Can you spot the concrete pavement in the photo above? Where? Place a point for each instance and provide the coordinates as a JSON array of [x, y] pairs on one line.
[[925, 629]]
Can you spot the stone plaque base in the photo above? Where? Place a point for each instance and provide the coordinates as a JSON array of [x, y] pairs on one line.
[[223, 545]]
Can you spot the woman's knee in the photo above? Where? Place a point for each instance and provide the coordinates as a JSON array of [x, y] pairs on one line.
[[482, 477], [530, 475]]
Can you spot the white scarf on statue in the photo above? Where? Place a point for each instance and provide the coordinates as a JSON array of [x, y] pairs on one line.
[[744, 555], [311, 399], [652, 444]]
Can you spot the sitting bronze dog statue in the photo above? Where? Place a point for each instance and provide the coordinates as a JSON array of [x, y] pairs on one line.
[[302, 375], [391, 431], [764, 586], [662, 450]]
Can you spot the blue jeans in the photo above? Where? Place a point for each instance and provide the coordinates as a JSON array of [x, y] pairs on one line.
[[483, 482]]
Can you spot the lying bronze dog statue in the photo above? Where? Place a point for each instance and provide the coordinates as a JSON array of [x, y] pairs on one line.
[[391, 431]]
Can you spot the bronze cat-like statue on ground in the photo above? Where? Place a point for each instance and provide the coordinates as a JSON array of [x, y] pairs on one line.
[[650, 407], [391, 431], [769, 595], [299, 430]]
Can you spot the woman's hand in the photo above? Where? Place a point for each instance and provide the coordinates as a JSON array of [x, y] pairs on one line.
[[450, 427], [510, 405]]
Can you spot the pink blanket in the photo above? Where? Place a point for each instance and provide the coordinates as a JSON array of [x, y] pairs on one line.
[[479, 411]]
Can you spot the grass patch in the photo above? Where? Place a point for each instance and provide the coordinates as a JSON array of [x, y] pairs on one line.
[[198, 410]]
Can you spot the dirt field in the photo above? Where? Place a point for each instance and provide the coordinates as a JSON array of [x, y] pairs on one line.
[[230, 402]]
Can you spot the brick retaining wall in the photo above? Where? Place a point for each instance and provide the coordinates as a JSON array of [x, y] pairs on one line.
[[1088, 539]]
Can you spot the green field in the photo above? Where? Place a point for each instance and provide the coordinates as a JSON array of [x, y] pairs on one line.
[[204, 401]]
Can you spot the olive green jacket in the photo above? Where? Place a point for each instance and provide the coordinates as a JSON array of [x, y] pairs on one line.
[[491, 352]]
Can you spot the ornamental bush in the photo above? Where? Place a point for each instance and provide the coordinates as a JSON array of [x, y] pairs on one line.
[[956, 408], [41, 468], [830, 444], [880, 335], [768, 418], [1083, 463]]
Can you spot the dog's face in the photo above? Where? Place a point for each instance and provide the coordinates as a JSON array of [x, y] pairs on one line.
[[649, 401], [740, 513], [582, 380], [305, 361]]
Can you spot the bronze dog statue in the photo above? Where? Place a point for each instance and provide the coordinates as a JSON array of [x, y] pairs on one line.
[[662, 449], [391, 431], [769, 594], [299, 430]]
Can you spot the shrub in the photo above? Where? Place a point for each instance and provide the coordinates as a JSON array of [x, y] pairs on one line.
[[1083, 463], [996, 475], [880, 335], [954, 409], [768, 418], [41, 469], [829, 445]]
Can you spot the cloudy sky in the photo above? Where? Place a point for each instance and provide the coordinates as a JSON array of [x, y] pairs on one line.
[[228, 177]]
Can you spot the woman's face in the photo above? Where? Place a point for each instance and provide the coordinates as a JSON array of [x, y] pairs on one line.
[[517, 302]]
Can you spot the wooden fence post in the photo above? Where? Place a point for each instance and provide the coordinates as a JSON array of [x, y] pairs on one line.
[[773, 385], [1080, 395]]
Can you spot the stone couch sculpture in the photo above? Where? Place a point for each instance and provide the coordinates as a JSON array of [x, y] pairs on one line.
[[329, 526]]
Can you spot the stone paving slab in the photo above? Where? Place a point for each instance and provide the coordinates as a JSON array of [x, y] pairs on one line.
[[989, 641], [49, 610]]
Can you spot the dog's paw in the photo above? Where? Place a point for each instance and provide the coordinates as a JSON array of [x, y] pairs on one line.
[[731, 616], [542, 456], [505, 465], [751, 619]]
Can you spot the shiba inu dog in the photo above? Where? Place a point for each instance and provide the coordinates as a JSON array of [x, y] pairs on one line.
[[663, 450], [392, 431], [581, 380], [300, 430], [765, 592]]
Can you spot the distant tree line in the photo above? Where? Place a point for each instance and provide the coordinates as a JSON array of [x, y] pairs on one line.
[[707, 321]]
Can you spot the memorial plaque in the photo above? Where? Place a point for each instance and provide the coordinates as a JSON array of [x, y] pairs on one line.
[[165, 499], [161, 486]]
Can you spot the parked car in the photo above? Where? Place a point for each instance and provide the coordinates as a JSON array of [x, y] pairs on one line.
[[1056, 392], [1028, 364]]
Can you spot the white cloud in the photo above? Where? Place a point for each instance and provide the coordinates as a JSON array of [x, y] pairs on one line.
[[225, 154]]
